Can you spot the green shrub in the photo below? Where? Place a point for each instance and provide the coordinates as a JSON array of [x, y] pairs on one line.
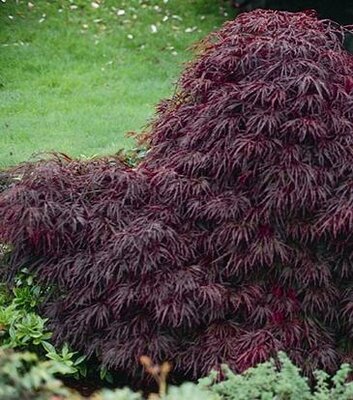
[[187, 391], [280, 380], [191, 391], [23, 376], [20, 325], [22, 328], [118, 394]]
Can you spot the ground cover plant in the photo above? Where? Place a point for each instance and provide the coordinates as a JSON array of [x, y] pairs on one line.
[[77, 75], [23, 376], [232, 239]]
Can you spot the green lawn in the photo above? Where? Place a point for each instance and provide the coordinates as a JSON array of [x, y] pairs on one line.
[[75, 76]]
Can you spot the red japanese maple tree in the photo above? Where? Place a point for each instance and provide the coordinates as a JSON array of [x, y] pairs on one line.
[[233, 239]]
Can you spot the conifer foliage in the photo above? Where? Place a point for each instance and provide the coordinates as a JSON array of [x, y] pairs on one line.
[[233, 239]]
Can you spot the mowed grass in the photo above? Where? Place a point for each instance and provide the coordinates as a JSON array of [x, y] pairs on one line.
[[76, 76]]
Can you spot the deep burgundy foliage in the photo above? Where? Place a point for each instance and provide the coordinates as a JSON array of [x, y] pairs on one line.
[[233, 239], [340, 10]]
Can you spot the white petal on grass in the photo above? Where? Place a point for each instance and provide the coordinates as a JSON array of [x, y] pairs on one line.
[[129, 36], [73, 7], [154, 28], [94, 4], [120, 12], [177, 17], [165, 18], [30, 5], [190, 30]]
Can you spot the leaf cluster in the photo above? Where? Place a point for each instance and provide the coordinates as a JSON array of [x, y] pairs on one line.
[[21, 326], [23, 376]]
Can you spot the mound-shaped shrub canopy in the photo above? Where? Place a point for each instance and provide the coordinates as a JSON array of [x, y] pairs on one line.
[[233, 239]]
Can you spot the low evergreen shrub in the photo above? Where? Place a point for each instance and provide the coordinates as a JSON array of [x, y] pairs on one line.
[[23, 376], [280, 379], [232, 239]]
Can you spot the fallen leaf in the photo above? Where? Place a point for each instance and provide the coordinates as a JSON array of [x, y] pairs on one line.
[[190, 30], [177, 17]]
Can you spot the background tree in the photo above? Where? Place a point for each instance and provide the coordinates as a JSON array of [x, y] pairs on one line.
[[340, 11]]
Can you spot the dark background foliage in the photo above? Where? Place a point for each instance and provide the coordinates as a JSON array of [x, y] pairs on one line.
[[340, 11], [232, 240]]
